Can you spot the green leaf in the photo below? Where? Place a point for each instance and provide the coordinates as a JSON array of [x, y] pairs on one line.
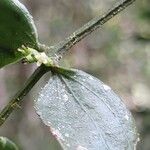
[[83, 113], [16, 29], [6, 144]]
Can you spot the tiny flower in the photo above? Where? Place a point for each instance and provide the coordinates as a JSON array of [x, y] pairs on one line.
[[42, 58]]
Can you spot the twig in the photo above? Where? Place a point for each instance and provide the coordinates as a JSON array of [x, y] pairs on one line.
[[60, 49], [17, 99]]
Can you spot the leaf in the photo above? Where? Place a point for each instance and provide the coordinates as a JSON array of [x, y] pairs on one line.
[[83, 113], [6, 144], [16, 29]]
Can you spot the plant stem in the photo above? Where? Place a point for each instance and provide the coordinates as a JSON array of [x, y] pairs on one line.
[[60, 49], [17, 99]]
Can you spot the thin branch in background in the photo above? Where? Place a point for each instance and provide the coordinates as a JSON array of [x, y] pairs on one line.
[[60, 49]]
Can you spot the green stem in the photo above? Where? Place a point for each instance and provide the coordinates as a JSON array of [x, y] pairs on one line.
[[60, 49], [17, 99]]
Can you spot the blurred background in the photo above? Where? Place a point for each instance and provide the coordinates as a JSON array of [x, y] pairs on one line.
[[118, 54]]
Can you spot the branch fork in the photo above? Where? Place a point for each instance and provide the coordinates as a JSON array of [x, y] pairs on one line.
[[45, 63]]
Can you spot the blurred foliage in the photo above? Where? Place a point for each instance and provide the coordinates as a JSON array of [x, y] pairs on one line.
[[118, 54]]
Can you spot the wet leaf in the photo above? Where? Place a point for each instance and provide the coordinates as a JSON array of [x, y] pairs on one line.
[[83, 113], [6, 144]]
